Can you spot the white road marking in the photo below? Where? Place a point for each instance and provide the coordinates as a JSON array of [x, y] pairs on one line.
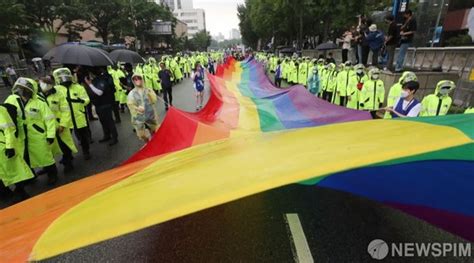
[[303, 254]]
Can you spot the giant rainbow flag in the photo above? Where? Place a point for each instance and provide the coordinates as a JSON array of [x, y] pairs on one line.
[[239, 145]]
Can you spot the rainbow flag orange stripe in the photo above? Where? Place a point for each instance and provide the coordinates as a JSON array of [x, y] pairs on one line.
[[239, 145]]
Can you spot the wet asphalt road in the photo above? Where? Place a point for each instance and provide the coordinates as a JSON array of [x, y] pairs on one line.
[[337, 226]]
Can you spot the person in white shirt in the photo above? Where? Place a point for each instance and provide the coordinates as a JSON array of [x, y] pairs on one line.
[[346, 44], [12, 73], [406, 105]]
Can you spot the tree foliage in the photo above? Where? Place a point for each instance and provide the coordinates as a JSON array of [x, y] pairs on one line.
[[228, 43], [12, 18], [111, 20], [200, 41], [249, 36], [286, 21], [49, 16]]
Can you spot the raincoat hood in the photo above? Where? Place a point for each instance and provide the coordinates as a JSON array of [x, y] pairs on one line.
[[373, 71], [444, 83], [406, 77], [151, 60], [62, 75], [26, 83], [358, 67]]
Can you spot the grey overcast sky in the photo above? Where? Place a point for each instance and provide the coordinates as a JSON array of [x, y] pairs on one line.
[[221, 15]]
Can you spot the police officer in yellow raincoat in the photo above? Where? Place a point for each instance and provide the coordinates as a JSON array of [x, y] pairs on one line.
[[330, 80], [116, 73], [285, 69], [183, 63], [339, 96], [356, 83], [39, 124], [77, 100], [373, 93], [303, 72], [320, 66], [438, 104], [174, 67], [57, 102], [150, 74], [293, 72], [13, 168]]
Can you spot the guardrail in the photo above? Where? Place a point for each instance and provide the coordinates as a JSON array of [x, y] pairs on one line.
[[446, 59]]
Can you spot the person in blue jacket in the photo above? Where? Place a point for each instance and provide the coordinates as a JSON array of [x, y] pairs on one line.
[[376, 39]]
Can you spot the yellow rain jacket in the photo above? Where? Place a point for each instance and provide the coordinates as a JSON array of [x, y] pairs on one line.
[[77, 100], [342, 80], [58, 104], [353, 92], [303, 73], [39, 121], [12, 170], [372, 94], [436, 104]]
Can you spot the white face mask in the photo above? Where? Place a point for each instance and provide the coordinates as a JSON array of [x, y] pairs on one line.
[[444, 92], [45, 87], [404, 94], [359, 71], [375, 76]]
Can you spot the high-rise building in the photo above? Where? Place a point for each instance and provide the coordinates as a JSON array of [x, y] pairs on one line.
[[194, 18], [177, 4], [184, 11], [234, 34], [219, 37]]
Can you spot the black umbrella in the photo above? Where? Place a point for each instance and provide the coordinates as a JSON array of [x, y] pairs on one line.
[[127, 56], [78, 55], [287, 50], [327, 46]]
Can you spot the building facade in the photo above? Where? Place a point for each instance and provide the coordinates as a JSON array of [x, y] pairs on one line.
[[184, 11], [162, 33], [194, 18], [439, 20], [177, 4], [234, 34]]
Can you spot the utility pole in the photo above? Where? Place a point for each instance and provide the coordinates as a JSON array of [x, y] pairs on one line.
[[437, 22]]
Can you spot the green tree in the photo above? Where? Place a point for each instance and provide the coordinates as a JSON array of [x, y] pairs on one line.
[[459, 40], [50, 16], [286, 21], [144, 13], [103, 16], [12, 18], [249, 36], [201, 40]]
